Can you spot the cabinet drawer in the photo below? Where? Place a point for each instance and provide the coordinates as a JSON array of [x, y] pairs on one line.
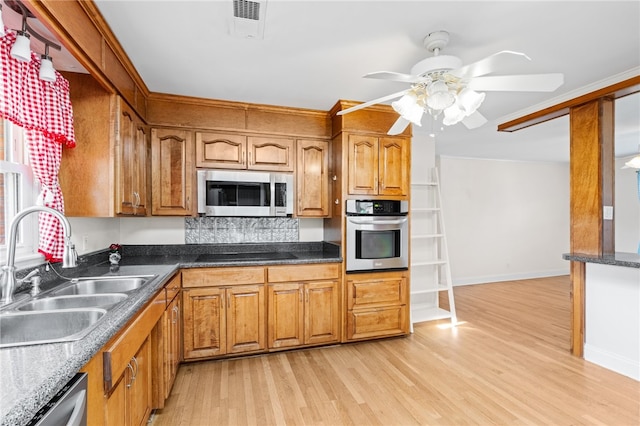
[[125, 345], [378, 322], [207, 277], [172, 288], [321, 271], [377, 292]]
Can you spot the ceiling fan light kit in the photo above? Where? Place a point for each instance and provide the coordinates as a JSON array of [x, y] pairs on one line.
[[441, 85]]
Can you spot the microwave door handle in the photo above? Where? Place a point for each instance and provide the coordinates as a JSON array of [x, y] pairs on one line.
[[272, 198]]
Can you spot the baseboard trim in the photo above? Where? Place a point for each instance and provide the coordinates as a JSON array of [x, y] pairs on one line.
[[612, 361], [510, 277]]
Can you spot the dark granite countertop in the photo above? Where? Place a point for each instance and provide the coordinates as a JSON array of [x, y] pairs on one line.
[[629, 260], [31, 375]]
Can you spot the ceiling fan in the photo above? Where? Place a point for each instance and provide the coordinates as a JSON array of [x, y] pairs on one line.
[[442, 85]]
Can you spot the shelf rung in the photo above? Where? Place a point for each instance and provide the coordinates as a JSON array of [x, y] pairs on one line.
[[425, 209], [428, 236], [428, 314], [431, 290], [430, 262]]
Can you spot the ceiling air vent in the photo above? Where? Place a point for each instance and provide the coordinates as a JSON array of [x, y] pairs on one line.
[[248, 18], [246, 9]]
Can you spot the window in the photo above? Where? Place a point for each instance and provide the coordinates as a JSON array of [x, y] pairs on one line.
[[18, 189]]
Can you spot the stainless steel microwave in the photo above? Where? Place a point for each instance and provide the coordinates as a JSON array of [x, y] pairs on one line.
[[244, 193]]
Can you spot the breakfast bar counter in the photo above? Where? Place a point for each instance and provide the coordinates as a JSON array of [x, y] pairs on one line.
[[612, 311]]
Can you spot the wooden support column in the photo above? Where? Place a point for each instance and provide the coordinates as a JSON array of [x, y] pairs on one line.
[[592, 188]]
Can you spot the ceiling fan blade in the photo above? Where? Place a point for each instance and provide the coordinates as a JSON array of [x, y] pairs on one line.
[[372, 102], [490, 64], [399, 126], [474, 121], [394, 76], [518, 83]]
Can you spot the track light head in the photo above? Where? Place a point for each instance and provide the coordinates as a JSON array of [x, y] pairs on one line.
[[21, 49]]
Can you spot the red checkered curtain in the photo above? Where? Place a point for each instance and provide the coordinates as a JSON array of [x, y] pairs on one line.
[[44, 110]]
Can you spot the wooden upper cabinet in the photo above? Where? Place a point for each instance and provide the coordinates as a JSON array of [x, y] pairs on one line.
[[131, 162], [363, 165], [393, 166], [312, 178], [270, 153], [172, 172], [221, 151], [378, 166], [106, 174], [236, 151]]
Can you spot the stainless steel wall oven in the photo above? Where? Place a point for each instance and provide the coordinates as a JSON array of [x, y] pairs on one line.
[[377, 235]]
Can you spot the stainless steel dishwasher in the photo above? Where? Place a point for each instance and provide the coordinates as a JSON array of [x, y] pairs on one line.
[[68, 407]]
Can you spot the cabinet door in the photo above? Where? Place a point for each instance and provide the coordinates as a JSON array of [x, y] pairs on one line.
[[321, 312], [139, 392], [172, 172], [221, 150], [394, 166], [139, 169], [204, 330], [286, 320], [173, 350], [312, 178], [245, 318], [115, 411], [363, 165], [269, 153], [125, 148]]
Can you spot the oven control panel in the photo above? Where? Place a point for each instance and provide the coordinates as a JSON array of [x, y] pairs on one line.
[[377, 207]]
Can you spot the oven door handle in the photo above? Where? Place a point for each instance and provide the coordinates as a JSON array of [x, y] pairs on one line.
[[374, 221]]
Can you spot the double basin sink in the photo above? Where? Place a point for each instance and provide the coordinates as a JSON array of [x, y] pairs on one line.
[[67, 312]]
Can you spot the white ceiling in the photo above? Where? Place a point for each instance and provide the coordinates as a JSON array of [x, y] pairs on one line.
[[315, 52]]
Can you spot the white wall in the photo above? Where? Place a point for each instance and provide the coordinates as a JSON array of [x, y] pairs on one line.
[[627, 208], [505, 219]]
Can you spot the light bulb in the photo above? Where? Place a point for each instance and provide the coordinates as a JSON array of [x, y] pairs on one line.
[[439, 96], [47, 72], [21, 49]]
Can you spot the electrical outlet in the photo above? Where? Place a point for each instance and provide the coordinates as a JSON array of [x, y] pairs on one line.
[[85, 242]]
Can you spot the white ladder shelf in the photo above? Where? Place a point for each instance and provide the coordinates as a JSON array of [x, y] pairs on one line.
[[430, 270]]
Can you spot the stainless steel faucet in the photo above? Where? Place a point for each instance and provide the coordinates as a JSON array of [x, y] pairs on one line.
[[69, 255]]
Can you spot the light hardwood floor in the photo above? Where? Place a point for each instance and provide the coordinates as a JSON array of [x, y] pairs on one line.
[[507, 363]]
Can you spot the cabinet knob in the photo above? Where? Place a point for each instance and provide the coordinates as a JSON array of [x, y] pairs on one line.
[[334, 178], [337, 201]]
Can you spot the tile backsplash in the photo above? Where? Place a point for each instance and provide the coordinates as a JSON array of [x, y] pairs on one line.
[[208, 230]]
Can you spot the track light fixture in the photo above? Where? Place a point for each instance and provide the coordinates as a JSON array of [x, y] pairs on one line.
[[21, 49]]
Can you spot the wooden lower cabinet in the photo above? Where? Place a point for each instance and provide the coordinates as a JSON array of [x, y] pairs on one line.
[[165, 341], [129, 402], [377, 305], [223, 319], [303, 305], [127, 369]]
